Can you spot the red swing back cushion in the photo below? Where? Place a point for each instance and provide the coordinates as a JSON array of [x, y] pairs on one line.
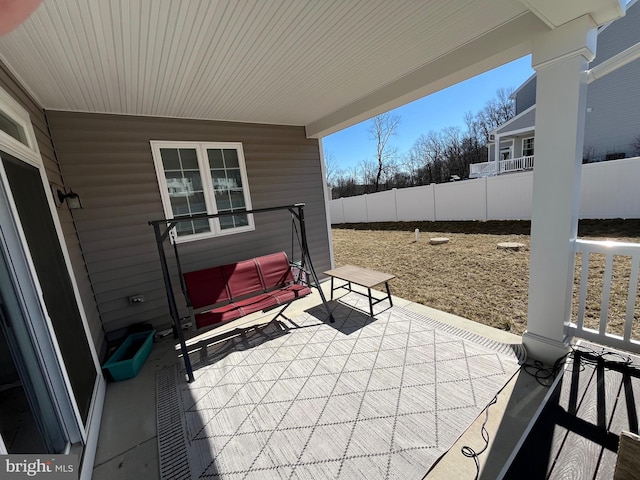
[[243, 278], [236, 280], [206, 287], [275, 270]]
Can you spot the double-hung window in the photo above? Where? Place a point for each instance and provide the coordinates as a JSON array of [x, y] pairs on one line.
[[527, 146], [203, 178]]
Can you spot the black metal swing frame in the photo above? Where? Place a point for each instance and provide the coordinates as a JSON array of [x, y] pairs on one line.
[[162, 229]]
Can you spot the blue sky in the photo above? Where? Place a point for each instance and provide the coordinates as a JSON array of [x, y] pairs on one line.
[[435, 112]]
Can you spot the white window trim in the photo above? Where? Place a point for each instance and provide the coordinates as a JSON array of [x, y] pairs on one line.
[[14, 147], [534, 146], [201, 149]]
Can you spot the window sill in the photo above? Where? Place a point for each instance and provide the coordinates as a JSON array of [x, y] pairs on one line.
[[204, 236]]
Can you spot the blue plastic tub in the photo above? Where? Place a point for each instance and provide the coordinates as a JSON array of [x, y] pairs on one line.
[[128, 359]]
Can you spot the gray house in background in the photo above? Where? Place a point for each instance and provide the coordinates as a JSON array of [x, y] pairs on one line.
[[612, 123]]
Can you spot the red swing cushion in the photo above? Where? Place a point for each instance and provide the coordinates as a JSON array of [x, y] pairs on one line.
[[238, 289]]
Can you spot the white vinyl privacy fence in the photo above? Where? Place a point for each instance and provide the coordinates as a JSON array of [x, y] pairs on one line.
[[609, 190]]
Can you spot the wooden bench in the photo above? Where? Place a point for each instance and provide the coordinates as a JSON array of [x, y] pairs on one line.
[[220, 294], [363, 277]]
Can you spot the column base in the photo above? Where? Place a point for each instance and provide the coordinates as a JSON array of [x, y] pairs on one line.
[[544, 349]]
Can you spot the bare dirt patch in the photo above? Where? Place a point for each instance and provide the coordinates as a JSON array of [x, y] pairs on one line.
[[469, 276]]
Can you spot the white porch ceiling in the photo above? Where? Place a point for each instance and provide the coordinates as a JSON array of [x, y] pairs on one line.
[[318, 63]]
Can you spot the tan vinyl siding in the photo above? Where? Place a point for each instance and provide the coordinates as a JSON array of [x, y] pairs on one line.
[[47, 152], [107, 160]]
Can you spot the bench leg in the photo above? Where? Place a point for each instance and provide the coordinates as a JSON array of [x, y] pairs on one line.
[[370, 301], [331, 288], [386, 284]]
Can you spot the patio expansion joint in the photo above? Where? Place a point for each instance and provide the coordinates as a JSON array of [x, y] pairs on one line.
[[118, 455]]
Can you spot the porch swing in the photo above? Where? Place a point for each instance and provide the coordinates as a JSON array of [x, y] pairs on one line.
[[220, 294]]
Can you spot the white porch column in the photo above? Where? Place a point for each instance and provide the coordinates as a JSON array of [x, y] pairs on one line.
[[560, 58], [496, 155]]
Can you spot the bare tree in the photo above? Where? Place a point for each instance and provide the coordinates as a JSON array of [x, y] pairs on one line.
[[331, 168], [412, 163], [455, 150], [474, 129], [367, 173], [429, 151], [382, 128], [475, 141], [434, 157], [496, 111]]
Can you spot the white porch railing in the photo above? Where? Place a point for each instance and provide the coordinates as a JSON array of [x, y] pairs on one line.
[[488, 169], [626, 256]]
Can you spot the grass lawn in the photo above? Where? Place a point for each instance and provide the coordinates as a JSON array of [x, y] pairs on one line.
[[470, 276]]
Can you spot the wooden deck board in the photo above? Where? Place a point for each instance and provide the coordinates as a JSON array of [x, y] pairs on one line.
[[577, 434], [583, 453], [616, 416], [575, 456]]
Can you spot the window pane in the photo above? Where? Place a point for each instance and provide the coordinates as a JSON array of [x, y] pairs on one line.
[[170, 159], [182, 183], [233, 221], [179, 206], [235, 179], [196, 203], [12, 128], [226, 222], [237, 200], [184, 228], [220, 181], [527, 146], [241, 220], [193, 226], [215, 158], [188, 158], [231, 158], [223, 202], [200, 226], [191, 203], [227, 182]]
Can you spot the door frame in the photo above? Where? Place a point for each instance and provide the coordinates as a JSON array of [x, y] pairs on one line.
[[27, 282]]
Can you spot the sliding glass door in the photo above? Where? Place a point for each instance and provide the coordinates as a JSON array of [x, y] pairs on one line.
[[29, 419], [48, 374], [45, 250]]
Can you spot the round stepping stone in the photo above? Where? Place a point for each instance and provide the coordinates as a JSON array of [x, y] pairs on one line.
[[510, 246], [438, 240]]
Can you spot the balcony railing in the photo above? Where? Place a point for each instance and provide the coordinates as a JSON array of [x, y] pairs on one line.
[[616, 285], [488, 169]]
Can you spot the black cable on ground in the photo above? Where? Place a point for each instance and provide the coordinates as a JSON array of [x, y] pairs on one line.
[[469, 452]]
